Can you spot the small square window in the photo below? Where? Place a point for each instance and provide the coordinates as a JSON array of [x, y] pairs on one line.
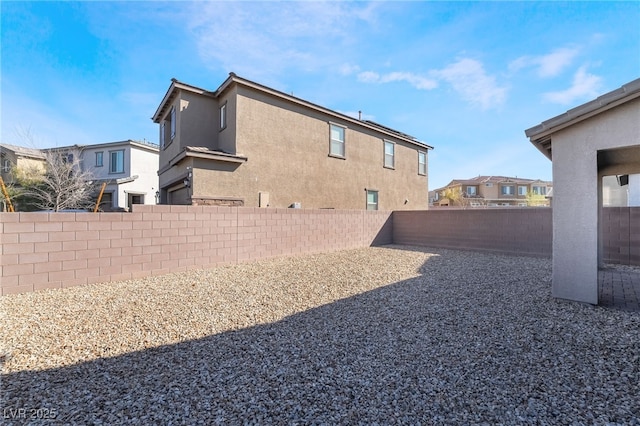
[[372, 200], [522, 190], [389, 154], [471, 190], [99, 159], [337, 141], [422, 163]]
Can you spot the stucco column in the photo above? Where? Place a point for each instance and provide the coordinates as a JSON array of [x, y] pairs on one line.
[[575, 222]]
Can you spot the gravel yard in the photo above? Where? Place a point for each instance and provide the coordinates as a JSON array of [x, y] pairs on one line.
[[386, 335]]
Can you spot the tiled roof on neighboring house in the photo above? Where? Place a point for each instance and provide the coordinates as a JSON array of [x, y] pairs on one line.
[[23, 151]]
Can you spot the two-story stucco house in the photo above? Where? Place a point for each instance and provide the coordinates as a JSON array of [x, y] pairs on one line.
[[13, 157], [249, 145], [493, 191], [129, 168]]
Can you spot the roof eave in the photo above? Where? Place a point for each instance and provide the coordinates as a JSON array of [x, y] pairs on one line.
[[233, 78]]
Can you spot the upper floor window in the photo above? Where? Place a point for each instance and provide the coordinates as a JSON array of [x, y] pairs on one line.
[[522, 190], [507, 190], [422, 163], [372, 200], [337, 141], [162, 133], [471, 190], [223, 116], [6, 165], [389, 154], [173, 122], [116, 161], [539, 190], [99, 159]]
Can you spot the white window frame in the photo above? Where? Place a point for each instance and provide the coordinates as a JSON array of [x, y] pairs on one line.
[[422, 165], [520, 188], [389, 159], [99, 159], [539, 190], [372, 205], [6, 165], [510, 192], [471, 190], [223, 116], [337, 143], [113, 167], [173, 122], [163, 131]]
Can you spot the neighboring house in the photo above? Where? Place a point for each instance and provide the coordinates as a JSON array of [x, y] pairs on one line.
[[128, 167], [249, 145], [493, 191], [597, 139], [14, 159]]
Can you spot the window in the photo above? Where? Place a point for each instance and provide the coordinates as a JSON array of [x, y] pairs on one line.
[[6, 165], [223, 116], [471, 190], [389, 154], [99, 159], [539, 190], [422, 163], [117, 161], [372, 200], [488, 185], [522, 190], [173, 122], [337, 141], [162, 131], [507, 190]]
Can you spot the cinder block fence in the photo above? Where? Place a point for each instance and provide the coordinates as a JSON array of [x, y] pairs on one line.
[[57, 250]]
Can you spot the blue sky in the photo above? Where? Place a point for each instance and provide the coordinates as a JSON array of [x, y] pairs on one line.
[[465, 77]]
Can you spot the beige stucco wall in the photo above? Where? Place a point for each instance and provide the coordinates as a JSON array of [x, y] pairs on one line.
[[288, 157], [576, 201]]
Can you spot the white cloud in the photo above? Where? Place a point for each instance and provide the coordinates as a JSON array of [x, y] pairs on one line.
[[269, 38], [349, 69], [470, 80], [584, 85], [549, 65], [416, 80]]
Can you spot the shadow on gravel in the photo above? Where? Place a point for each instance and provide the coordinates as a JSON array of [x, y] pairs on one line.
[[476, 338]]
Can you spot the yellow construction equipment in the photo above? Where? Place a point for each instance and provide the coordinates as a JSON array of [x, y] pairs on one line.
[[6, 195]]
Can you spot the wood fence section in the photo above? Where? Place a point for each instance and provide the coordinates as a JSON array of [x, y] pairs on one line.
[[526, 231], [57, 250]]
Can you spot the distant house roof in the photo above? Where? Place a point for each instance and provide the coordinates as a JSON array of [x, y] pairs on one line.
[[23, 151], [234, 79], [141, 144], [479, 180], [540, 135]]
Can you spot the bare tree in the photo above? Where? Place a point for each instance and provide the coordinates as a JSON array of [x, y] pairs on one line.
[[64, 185]]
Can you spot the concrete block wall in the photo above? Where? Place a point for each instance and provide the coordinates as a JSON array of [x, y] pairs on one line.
[[525, 231], [57, 250], [621, 235]]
